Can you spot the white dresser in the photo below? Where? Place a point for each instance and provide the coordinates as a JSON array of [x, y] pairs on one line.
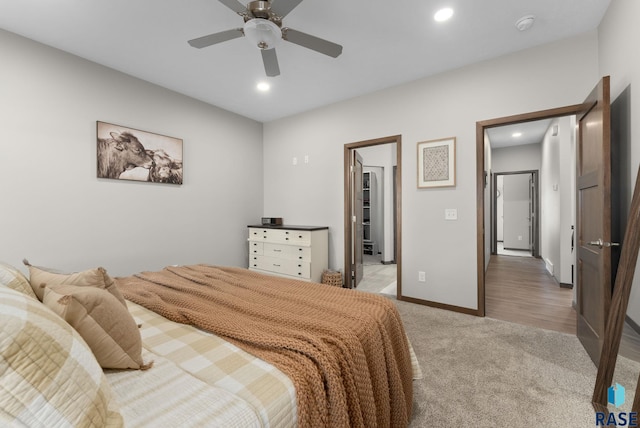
[[292, 251]]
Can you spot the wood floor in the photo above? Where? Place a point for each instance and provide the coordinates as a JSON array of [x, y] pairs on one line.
[[520, 290]]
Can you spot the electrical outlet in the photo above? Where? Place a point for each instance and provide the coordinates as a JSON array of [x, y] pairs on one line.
[[422, 276], [519, 237], [294, 161], [306, 158], [451, 214]]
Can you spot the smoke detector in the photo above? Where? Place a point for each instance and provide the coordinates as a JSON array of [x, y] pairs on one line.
[[524, 23]]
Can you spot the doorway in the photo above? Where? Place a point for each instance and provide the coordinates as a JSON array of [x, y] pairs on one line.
[[485, 238], [373, 229], [523, 276], [516, 214]]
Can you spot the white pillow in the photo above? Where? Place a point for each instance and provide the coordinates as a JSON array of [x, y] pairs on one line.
[[48, 374]]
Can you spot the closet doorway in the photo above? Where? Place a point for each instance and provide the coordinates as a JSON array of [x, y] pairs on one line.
[[372, 215]]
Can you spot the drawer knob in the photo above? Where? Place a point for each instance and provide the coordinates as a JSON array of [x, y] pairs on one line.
[[255, 265], [287, 238], [300, 257]]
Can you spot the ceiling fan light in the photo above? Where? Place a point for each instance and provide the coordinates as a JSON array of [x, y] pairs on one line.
[[262, 33]]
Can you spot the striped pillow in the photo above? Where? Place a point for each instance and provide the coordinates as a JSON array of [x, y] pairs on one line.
[[49, 376], [13, 278]]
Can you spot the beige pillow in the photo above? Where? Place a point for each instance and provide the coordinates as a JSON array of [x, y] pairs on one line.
[[106, 325], [41, 277], [49, 375], [13, 278]]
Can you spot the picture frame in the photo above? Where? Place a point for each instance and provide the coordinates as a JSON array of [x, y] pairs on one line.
[[125, 153], [437, 163]]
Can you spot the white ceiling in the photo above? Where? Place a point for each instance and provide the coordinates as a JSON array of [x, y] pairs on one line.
[[531, 133], [385, 43]]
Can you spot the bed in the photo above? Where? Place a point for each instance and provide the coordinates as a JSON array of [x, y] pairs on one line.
[[218, 346]]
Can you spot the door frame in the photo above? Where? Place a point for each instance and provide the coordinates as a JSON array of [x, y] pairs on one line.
[[397, 212], [481, 127], [494, 210]]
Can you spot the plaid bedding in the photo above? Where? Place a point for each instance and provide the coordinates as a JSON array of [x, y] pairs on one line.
[[165, 397], [49, 377], [268, 392]]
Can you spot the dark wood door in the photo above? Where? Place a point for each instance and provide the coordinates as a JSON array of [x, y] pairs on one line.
[[593, 220]]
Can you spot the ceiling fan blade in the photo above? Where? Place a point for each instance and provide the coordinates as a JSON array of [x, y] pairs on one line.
[[235, 6], [270, 61], [283, 7], [312, 42], [212, 39]]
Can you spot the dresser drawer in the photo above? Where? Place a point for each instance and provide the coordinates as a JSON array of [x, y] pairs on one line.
[[294, 268], [292, 252], [300, 237], [256, 248]]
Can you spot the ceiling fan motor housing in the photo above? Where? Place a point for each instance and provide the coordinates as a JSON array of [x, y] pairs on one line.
[[262, 9]]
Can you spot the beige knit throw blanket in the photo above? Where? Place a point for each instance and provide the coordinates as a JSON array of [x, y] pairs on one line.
[[345, 351]]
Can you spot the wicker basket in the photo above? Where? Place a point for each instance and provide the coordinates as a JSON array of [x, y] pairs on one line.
[[332, 278]]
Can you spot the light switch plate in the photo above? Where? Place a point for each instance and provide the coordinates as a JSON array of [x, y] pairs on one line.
[[451, 214]]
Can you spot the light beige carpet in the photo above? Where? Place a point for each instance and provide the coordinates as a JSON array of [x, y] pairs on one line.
[[480, 372]]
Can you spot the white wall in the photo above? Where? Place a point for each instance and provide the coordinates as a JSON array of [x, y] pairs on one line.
[[442, 106], [500, 208], [550, 213], [55, 212], [526, 157], [618, 34], [558, 197], [567, 134], [488, 169]]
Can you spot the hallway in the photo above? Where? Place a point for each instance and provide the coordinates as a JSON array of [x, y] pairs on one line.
[[520, 290]]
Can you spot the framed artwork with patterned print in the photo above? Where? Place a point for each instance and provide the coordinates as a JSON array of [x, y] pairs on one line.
[[437, 163]]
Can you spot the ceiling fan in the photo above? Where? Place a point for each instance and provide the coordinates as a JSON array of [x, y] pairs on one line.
[[263, 27]]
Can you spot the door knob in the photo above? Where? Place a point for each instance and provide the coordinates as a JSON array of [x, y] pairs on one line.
[[599, 243]]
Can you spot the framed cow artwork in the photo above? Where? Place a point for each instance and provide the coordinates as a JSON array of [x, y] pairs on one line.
[[131, 154]]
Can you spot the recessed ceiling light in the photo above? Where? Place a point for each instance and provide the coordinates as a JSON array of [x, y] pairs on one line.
[[516, 134], [443, 14], [263, 86]]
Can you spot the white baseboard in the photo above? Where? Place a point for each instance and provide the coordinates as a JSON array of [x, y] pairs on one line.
[[548, 265]]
